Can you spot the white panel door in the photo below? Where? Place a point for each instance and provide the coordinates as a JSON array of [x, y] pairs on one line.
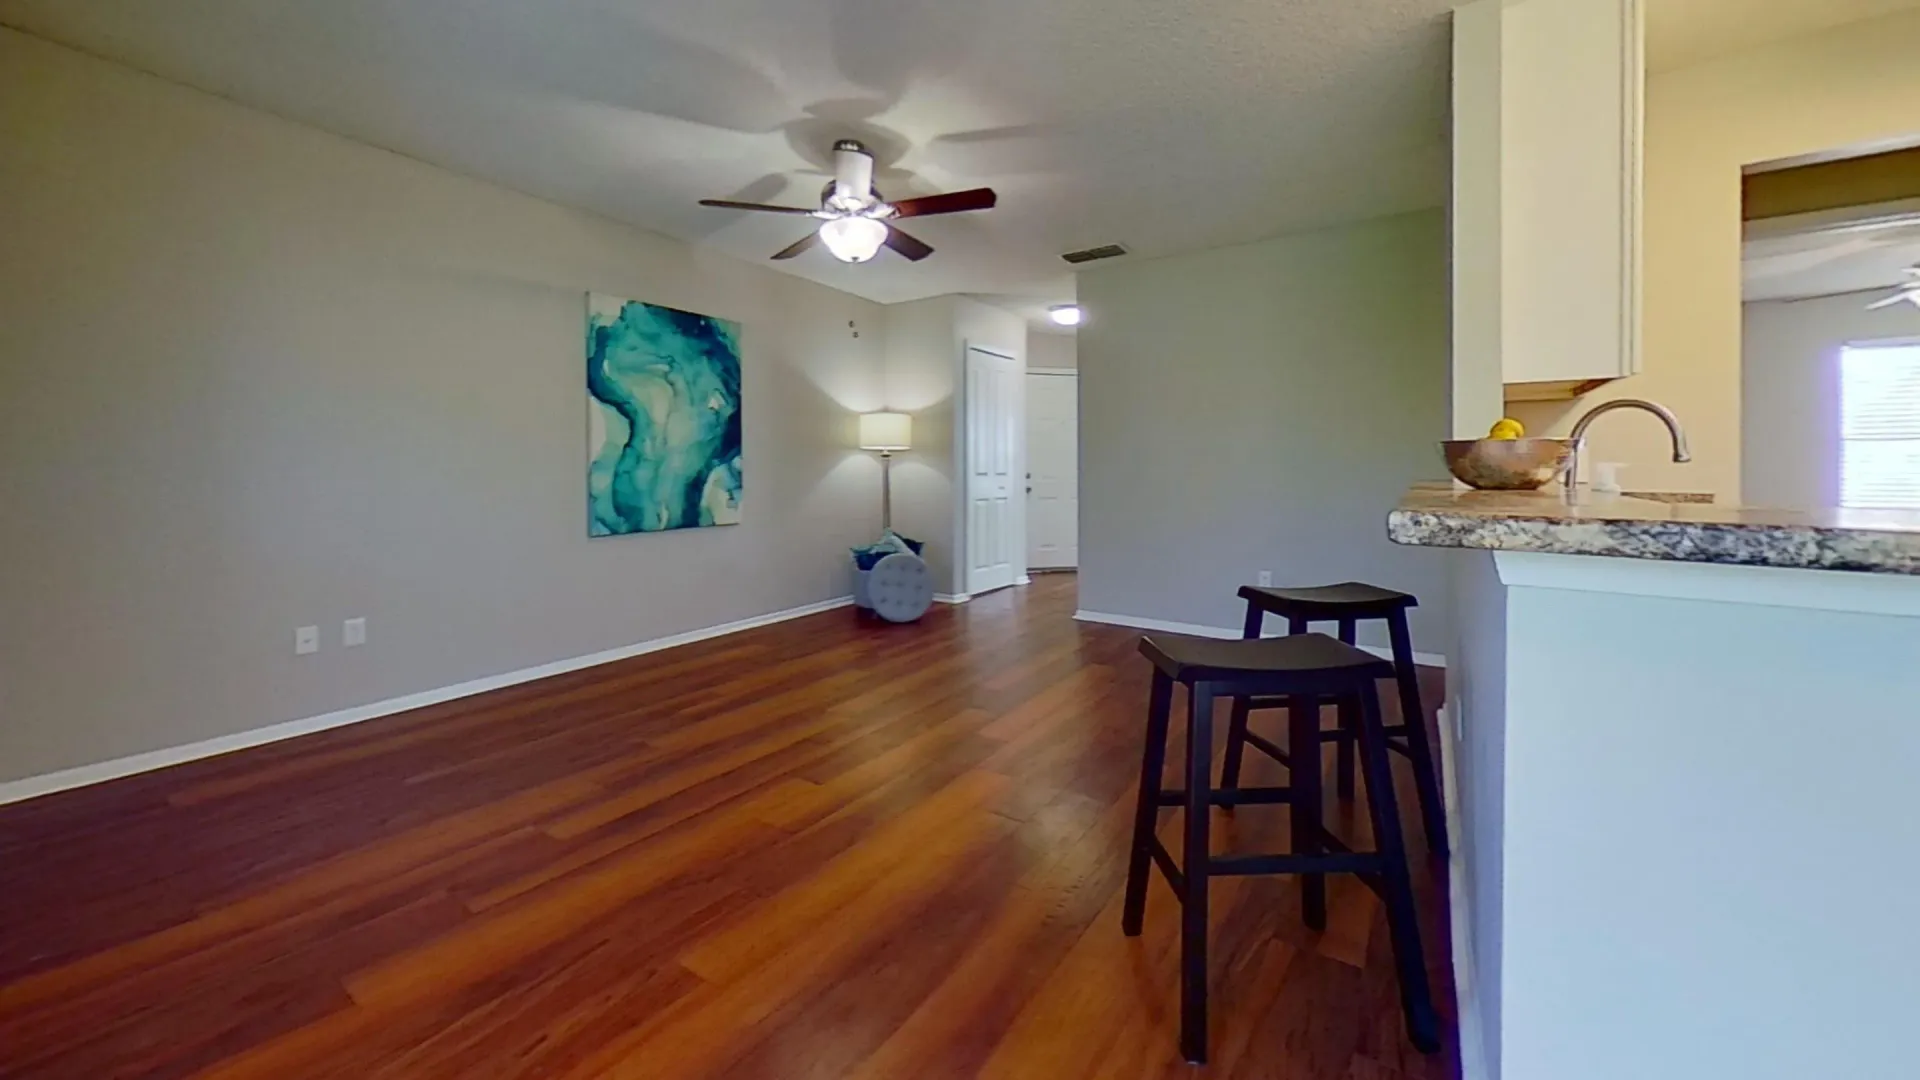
[[994, 533], [1053, 471]]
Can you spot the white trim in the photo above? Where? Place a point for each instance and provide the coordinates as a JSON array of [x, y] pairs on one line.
[[1074, 372], [951, 598], [1863, 344], [1762, 586], [1633, 139], [1134, 622], [1024, 579], [81, 776]]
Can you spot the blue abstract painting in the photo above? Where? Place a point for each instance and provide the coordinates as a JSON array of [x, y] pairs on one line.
[[663, 426]]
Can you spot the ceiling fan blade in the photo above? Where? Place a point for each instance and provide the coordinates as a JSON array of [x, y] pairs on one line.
[[798, 246], [1896, 298], [951, 203], [909, 246], [729, 204]]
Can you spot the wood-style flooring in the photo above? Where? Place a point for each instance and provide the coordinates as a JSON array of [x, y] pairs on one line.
[[823, 849]]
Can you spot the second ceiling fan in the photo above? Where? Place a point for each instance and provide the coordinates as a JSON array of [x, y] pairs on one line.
[[855, 221], [1907, 292]]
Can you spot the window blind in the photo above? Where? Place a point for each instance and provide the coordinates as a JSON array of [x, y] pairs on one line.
[[1880, 426]]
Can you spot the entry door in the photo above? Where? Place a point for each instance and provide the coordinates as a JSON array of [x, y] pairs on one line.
[[994, 530], [1053, 471]]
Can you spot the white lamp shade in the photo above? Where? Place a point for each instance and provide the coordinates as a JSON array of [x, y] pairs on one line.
[[854, 239], [886, 431]]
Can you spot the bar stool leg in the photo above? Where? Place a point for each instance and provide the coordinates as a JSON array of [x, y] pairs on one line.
[[1146, 813], [1236, 746], [1433, 811], [1303, 777], [1196, 855], [1416, 996], [1237, 724], [1349, 731]]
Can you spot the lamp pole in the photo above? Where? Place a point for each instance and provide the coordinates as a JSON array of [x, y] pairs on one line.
[[886, 489]]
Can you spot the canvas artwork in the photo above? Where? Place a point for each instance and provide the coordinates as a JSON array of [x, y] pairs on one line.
[[663, 428]]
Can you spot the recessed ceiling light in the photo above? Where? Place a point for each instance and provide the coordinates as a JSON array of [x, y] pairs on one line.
[[1065, 314]]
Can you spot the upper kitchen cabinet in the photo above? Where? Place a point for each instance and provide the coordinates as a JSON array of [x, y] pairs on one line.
[[1547, 134]]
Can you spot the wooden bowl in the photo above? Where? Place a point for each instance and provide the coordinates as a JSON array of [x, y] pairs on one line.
[[1507, 464]]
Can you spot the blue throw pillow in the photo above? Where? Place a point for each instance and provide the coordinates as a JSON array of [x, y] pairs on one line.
[[864, 558]]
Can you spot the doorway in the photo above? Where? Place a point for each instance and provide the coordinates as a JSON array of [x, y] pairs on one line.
[[1053, 469], [996, 526]]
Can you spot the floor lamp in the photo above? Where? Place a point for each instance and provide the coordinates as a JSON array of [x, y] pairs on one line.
[[886, 432]]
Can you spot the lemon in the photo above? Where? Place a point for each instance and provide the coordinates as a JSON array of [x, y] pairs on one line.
[[1507, 428]]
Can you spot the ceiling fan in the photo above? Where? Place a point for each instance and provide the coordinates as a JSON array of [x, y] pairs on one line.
[[855, 221], [1909, 292]]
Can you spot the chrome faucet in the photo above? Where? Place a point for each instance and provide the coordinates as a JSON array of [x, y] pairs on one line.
[[1680, 452]]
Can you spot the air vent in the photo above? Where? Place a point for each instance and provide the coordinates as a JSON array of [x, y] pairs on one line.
[[1105, 251]]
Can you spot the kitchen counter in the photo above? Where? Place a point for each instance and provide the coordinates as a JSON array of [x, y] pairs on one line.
[[1874, 541], [1670, 726]]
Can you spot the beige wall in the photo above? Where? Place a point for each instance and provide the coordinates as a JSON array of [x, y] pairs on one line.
[[920, 379], [1850, 86], [1047, 350], [257, 376], [926, 343], [1262, 407]]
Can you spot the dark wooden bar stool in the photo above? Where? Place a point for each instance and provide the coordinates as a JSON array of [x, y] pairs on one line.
[[1347, 604], [1305, 669]]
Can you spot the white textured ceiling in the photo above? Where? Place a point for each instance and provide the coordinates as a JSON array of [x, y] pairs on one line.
[[1163, 126], [1166, 127], [1682, 32]]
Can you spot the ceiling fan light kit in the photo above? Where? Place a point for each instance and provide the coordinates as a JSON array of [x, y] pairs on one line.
[[1066, 314], [853, 239], [855, 222]]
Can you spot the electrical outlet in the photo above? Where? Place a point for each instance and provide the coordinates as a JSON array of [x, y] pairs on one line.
[[353, 632], [1266, 578], [306, 639]]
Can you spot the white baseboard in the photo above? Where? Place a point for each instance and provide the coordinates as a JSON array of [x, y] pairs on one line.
[[1023, 579], [81, 776], [951, 598], [1424, 659]]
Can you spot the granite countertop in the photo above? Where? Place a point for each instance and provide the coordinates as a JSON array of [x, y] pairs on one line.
[[1874, 541]]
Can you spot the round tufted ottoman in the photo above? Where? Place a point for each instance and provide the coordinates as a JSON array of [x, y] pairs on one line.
[[899, 588]]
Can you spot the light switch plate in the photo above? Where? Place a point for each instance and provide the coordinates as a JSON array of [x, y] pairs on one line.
[[1266, 579], [353, 632], [306, 639]]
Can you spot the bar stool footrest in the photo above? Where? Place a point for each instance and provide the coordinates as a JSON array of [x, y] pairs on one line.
[[1267, 747], [1396, 743], [1363, 863], [1163, 859], [1262, 703], [1230, 796]]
